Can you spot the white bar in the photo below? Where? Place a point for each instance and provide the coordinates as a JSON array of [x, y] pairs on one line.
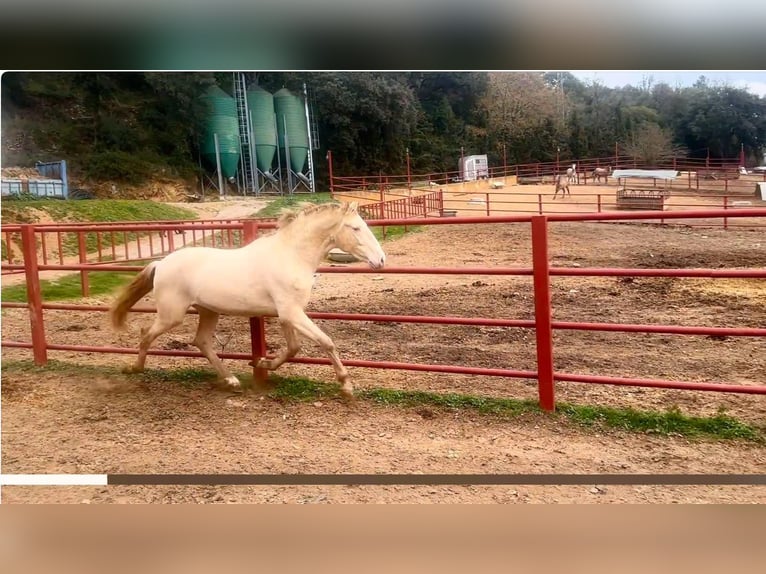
[[53, 479]]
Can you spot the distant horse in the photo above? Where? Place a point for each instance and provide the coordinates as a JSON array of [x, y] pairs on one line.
[[600, 172], [272, 275], [572, 173], [562, 183]]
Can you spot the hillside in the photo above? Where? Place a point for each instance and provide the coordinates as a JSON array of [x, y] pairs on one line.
[[45, 211], [123, 131]]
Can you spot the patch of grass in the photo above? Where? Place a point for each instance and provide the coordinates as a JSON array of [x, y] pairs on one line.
[[93, 210], [56, 366], [274, 208], [187, 377], [301, 389], [483, 405], [394, 231], [69, 287], [670, 422]]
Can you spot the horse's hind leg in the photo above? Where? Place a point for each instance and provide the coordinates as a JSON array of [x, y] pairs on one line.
[[203, 340], [293, 346], [167, 318]]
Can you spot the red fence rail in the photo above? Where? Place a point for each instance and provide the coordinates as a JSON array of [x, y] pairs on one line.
[[541, 272]]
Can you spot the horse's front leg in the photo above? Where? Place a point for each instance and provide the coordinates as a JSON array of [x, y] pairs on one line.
[[306, 327]]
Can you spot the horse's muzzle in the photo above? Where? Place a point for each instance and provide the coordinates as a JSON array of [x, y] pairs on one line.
[[377, 264]]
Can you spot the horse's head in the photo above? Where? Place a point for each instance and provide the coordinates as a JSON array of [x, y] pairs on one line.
[[354, 237]]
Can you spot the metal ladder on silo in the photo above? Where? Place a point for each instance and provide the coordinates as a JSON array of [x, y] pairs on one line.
[[313, 133], [245, 129]]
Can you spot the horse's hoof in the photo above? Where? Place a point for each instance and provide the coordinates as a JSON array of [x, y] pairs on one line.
[[264, 364], [347, 394], [233, 382], [131, 369]]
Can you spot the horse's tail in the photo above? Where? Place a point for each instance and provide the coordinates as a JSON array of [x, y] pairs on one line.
[[140, 286]]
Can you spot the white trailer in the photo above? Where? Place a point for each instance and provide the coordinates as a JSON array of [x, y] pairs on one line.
[[474, 167]]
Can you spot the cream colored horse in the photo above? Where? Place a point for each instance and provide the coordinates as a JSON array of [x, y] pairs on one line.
[[273, 275], [572, 173], [562, 183]]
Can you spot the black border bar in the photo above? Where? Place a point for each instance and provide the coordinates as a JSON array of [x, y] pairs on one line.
[[438, 479]]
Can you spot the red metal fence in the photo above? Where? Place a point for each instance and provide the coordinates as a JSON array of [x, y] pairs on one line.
[[700, 173], [702, 184], [541, 272]]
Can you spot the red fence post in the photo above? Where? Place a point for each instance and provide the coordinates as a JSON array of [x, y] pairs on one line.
[[82, 251], [34, 297], [543, 314], [171, 241], [257, 324], [9, 248]]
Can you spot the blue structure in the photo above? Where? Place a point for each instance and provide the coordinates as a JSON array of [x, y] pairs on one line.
[[57, 184]]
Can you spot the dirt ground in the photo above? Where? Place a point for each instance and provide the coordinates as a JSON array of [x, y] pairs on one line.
[[95, 424]]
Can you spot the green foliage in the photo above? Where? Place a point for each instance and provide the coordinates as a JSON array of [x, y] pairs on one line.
[[118, 126], [722, 119], [126, 126], [118, 165]]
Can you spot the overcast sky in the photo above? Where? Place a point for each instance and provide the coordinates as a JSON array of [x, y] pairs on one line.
[[753, 81]]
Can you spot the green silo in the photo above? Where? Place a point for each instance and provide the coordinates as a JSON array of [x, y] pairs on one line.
[[291, 115], [221, 120], [261, 106]]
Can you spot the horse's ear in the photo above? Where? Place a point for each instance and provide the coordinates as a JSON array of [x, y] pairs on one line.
[[353, 206]]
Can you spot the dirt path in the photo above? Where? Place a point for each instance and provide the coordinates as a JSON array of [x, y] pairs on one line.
[[220, 210], [103, 424]]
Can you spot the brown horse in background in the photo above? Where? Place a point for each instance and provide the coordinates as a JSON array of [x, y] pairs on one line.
[[600, 172]]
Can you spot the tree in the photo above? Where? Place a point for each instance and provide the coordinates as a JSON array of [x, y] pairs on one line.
[[523, 112], [650, 144], [722, 119]]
